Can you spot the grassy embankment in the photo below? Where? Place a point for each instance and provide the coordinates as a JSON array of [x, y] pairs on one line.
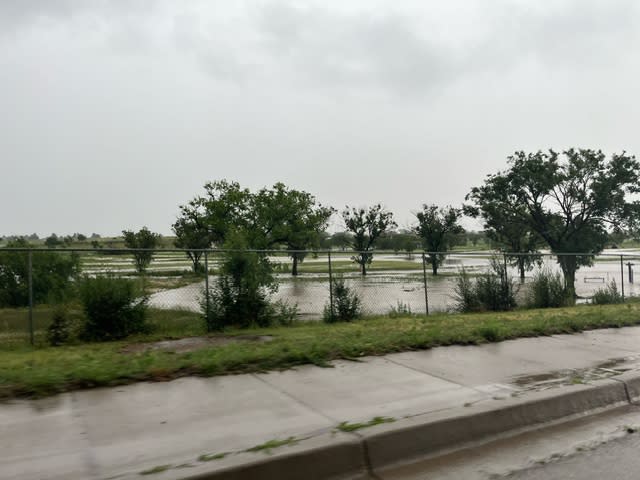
[[29, 371]]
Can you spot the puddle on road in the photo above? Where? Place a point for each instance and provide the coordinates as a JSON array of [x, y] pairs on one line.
[[560, 378]]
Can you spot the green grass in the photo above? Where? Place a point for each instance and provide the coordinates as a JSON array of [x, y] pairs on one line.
[[42, 370], [352, 427], [271, 444], [14, 325], [208, 457], [158, 469]]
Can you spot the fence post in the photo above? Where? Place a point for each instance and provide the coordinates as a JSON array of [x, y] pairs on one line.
[[30, 280], [622, 275], [504, 257], [206, 282], [330, 287], [426, 290]]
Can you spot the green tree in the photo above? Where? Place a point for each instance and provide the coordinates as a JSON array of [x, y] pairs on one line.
[[506, 222], [571, 200], [53, 241], [144, 242], [192, 236], [366, 225], [289, 217], [52, 274], [207, 219], [268, 218], [438, 228]]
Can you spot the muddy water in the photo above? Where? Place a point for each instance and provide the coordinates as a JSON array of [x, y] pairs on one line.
[[381, 292]]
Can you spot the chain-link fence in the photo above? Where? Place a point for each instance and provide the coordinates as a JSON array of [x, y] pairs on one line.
[[34, 281]]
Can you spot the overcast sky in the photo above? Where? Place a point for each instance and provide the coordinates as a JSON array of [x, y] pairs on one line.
[[113, 113]]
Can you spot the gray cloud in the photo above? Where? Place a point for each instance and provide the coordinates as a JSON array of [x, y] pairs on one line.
[[115, 112]]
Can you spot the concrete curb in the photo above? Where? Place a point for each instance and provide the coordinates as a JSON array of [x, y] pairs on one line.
[[424, 435], [358, 456], [329, 456]]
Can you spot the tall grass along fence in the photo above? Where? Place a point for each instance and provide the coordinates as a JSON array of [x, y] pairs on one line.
[[44, 291]]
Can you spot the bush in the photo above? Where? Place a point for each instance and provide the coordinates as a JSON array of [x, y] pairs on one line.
[[607, 295], [60, 329], [239, 296], [400, 310], [492, 291], [285, 313], [114, 307], [347, 305], [547, 290], [465, 293]]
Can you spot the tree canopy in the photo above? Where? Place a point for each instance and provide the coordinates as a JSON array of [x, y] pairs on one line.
[[144, 240], [265, 219], [571, 200], [439, 229], [505, 222], [366, 225]]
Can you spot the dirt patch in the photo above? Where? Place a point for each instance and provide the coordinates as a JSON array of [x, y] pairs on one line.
[[194, 343]]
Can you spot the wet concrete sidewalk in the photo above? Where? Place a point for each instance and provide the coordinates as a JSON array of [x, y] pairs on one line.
[[122, 432]]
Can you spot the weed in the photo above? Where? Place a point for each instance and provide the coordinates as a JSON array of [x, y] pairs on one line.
[[400, 310], [546, 290], [352, 427], [214, 456], [347, 305], [156, 469], [607, 295], [271, 444]]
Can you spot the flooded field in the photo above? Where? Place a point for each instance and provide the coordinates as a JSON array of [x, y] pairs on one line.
[[383, 291]]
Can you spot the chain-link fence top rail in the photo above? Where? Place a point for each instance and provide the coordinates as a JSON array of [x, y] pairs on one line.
[[395, 282]]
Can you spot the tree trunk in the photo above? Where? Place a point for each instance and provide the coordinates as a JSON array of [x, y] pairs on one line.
[[568, 264], [434, 264], [363, 268], [294, 269], [521, 268]]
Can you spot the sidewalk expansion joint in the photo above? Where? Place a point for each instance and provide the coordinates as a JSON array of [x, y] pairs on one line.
[[295, 399], [429, 374]]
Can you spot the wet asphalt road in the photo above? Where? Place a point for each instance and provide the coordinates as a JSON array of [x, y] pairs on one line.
[[598, 447], [618, 459]]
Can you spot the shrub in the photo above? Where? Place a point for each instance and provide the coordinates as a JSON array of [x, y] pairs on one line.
[[59, 331], [607, 295], [401, 309], [285, 313], [492, 291], [347, 305], [114, 308], [465, 296], [546, 290], [239, 296]]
